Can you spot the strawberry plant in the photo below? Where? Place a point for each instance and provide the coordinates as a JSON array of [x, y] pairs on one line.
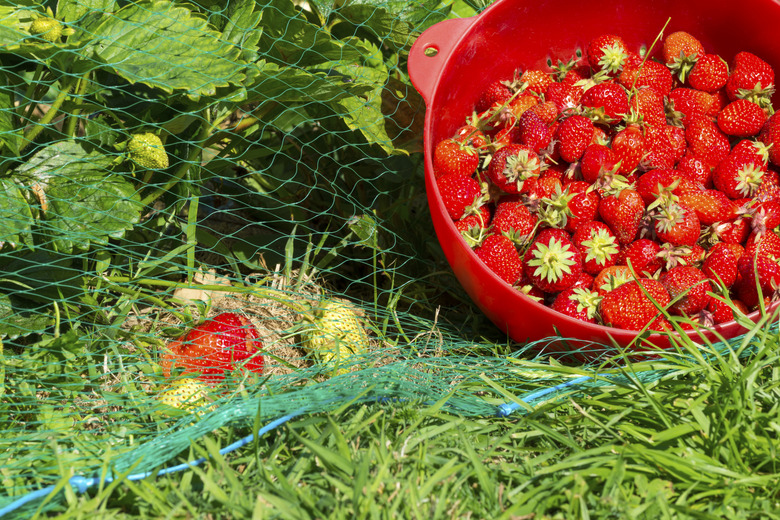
[[138, 119]]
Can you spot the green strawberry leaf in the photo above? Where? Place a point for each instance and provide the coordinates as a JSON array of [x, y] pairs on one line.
[[40, 276], [86, 205], [19, 317], [286, 85], [241, 28], [85, 14], [395, 22], [15, 214], [288, 38], [10, 135], [167, 47], [363, 113]]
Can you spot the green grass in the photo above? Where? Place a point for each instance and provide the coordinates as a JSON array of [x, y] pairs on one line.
[[698, 443]]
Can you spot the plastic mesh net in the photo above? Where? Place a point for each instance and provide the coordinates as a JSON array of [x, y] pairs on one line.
[[288, 171]]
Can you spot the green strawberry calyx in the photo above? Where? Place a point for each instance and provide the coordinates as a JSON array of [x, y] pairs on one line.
[[613, 58], [552, 260], [600, 247], [749, 178], [586, 300]]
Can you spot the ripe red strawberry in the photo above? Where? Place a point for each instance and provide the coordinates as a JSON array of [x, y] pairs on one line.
[[707, 141], [641, 256], [500, 256], [721, 312], [495, 119], [719, 100], [566, 96], [577, 302], [709, 74], [460, 194], [537, 80], [597, 161], [216, 346], [770, 136], [474, 226], [623, 213], [523, 102], [750, 78], [611, 278], [533, 132], [471, 136], [505, 136], [543, 187], [607, 52], [720, 265], [734, 231], [650, 74], [513, 219], [454, 156], [598, 246], [664, 146], [629, 146], [711, 206], [765, 216], [681, 51], [552, 262], [756, 150], [739, 175], [512, 166], [677, 225], [686, 104], [573, 135], [628, 307], [695, 169], [741, 118], [672, 256], [498, 92], [770, 186], [687, 287], [760, 277], [654, 183], [605, 102], [525, 286], [547, 111], [583, 204], [648, 105], [573, 70]]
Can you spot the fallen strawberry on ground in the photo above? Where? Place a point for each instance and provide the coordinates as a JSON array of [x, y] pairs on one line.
[[214, 348]]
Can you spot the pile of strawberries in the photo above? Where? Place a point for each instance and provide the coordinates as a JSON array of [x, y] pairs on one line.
[[622, 183]]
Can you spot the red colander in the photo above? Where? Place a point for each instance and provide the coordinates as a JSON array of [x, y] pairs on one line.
[[452, 61]]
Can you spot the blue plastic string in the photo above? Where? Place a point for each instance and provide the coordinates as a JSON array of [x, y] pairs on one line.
[[81, 484]]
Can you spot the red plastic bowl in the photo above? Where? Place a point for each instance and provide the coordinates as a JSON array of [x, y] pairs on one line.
[[452, 61]]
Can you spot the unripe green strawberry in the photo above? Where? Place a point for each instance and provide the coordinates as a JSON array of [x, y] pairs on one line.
[[185, 394], [334, 334], [147, 151], [46, 28]]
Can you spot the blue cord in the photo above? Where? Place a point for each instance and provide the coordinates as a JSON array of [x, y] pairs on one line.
[[508, 408], [81, 484]]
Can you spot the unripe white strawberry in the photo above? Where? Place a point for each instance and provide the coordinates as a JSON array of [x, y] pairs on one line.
[[147, 151], [184, 394], [334, 334], [46, 28]]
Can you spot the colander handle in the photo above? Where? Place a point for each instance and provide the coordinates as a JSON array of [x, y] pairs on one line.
[[430, 51]]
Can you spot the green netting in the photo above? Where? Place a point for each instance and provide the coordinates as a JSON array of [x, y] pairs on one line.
[[293, 140]]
